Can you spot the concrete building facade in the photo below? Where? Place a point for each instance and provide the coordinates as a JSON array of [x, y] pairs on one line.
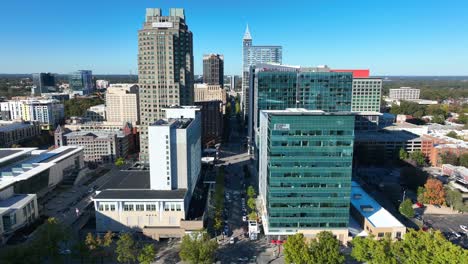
[[12, 132], [43, 83], [165, 67], [367, 93], [213, 69], [212, 122], [404, 93], [96, 113], [209, 92], [123, 103]]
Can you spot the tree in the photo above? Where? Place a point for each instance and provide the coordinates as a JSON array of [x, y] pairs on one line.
[[326, 249], [403, 154], [450, 158], [428, 247], [125, 248], [464, 160], [296, 250], [251, 191], [372, 251], [147, 254], [120, 162], [49, 237], [251, 203], [454, 199], [452, 134], [198, 248], [406, 208], [97, 245], [420, 194], [237, 106], [434, 192], [418, 157], [252, 216]]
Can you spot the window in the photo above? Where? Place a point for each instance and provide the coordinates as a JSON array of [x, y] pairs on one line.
[[178, 207], [139, 207], [101, 207], [128, 207], [398, 235], [112, 207], [167, 207], [380, 234], [150, 207]]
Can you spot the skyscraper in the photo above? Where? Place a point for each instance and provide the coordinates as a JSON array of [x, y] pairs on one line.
[[305, 169], [43, 83], [252, 55], [81, 82], [165, 67], [213, 69]]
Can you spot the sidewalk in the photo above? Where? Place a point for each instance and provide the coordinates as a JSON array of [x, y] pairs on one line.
[[443, 210]]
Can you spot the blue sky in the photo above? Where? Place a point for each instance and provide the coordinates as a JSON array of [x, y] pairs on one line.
[[417, 37]]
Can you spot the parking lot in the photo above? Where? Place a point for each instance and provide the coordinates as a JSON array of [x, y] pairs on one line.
[[448, 225]]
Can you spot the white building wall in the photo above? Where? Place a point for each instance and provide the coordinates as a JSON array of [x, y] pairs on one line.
[[159, 148]]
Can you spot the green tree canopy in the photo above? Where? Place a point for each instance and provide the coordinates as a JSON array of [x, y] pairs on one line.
[[452, 134], [421, 247], [251, 191], [125, 248], [198, 248], [147, 254], [418, 157], [296, 250], [119, 162], [326, 249], [406, 208], [372, 251]]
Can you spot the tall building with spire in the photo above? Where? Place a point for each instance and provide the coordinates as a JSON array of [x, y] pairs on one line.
[[165, 67], [252, 55]]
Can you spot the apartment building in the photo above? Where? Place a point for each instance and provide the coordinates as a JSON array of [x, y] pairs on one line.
[[122, 103]]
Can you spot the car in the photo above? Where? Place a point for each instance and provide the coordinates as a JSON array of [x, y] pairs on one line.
[[436, 206], [456, 234], [419, 205], [244, 218], [65, 251], [232, 240], [418, 217], [464, 228]]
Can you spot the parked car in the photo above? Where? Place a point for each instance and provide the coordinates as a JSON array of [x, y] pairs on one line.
[[419, 205], [232, 240], [456, 234], [244, 218], [464, 228]]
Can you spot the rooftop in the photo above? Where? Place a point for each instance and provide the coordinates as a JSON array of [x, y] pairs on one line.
[[303, 111], [27, 162], [385, 136], [14, 126], [179, 123], [370, 209], [99, 134], [135, 184], [15, 201]]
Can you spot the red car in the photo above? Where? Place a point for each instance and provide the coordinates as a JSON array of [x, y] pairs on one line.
[[419, 205]]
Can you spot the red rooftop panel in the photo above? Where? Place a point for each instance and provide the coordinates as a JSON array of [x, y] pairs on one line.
[[356, 73]]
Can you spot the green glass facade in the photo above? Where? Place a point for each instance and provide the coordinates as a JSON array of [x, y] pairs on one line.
[[305, 169], [281, 88]]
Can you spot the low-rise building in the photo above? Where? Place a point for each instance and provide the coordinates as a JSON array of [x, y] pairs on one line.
[[28, 174], [439, 150], [372, 217], [96, 113], [99, 146], [156, 202], [12, 132], [404, 93]]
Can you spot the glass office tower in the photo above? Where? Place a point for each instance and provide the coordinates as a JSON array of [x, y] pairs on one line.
[[277, 87], [305, 166]]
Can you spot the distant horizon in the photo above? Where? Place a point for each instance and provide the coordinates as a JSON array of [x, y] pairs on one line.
[[127, 74], [392, 38]]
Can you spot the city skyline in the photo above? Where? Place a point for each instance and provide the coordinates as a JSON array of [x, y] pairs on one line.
[[383, 37]]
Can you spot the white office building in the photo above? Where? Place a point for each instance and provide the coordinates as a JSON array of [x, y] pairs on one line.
[[122, 103], [404, 93]]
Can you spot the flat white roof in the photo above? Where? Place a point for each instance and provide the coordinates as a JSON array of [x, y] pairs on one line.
[[370, 209]]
